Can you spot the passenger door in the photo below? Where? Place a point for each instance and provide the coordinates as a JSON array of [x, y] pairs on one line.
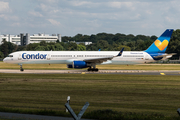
[[20, 57], [48, 57]]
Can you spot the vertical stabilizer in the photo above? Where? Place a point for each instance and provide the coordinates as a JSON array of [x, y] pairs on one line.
[[160, 45]]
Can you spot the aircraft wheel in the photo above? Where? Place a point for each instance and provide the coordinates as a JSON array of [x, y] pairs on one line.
[[96, 70], [92, 69], [21, 69]]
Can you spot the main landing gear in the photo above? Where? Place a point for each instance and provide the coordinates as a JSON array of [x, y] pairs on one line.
[[93, 69], [21, 69]]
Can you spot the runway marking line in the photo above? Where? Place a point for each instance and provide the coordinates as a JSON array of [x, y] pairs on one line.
[[162, 73]]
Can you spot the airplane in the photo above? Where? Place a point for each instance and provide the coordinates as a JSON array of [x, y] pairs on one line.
[[89, 59]]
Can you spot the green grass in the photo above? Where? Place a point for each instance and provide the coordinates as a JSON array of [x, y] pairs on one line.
[[126, 93], [101, 67]]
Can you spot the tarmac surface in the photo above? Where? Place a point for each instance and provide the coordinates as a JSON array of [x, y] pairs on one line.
[[131, 72], [18, 116]]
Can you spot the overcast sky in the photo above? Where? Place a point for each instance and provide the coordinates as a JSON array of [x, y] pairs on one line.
[[70, 17]]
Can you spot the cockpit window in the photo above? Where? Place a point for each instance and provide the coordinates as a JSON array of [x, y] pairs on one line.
[[10, 55]]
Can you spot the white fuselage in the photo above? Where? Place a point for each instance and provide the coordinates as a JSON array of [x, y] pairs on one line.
[[67, 57]]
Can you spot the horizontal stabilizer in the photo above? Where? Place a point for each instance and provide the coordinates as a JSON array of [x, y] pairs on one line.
[[160, 56]]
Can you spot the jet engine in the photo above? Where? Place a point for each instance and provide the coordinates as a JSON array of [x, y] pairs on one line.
[[77, 65]]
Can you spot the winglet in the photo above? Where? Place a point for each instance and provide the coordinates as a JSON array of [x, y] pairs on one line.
[[120, 53]]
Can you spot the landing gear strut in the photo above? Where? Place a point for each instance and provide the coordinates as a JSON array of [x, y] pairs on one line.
[[93, 69], [21, 69]]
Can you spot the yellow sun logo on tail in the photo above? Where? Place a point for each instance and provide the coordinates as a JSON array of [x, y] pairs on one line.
[[161, 45]]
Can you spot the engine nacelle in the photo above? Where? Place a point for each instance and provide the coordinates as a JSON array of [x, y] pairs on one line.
[[79, 64]]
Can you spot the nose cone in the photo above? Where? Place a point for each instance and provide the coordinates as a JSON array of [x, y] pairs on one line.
[[5, 60]]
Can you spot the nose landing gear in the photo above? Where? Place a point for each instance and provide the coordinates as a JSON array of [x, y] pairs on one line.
[[21, 69]]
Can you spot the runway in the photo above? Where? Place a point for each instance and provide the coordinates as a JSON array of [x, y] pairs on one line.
[[131, 72]]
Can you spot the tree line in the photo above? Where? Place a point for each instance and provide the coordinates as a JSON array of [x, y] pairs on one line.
[[103, 41]]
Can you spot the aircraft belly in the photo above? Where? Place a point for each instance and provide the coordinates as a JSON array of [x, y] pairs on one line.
[[125, 62], [128, 61]]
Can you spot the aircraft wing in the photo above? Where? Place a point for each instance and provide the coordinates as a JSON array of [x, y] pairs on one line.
[[98, 60], [101, 60], [165, 55]]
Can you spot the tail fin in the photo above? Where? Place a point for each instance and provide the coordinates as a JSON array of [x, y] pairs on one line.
[[160, 45]]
